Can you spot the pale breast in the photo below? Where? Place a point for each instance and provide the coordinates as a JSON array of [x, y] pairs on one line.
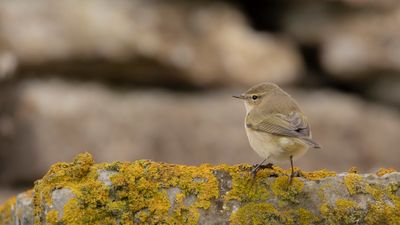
[[262, 143], [275, 147]]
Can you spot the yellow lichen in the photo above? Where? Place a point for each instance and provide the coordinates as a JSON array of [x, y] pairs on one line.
[[287, 191], [6, 211], [343, 212], [305, 217], [353, 170], [245, 188], [354, 184], [318, 175], [257, 213], [382, 213], [52, 217], [141, 194], [383, 171], [138, 192]]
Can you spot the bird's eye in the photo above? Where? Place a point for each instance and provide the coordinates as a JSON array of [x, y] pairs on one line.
[[254, 97]]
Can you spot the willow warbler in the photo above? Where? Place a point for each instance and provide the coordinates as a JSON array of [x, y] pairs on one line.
[[276, 127]]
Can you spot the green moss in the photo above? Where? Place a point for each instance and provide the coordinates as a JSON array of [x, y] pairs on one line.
[[257, 213], [343, 212], [285, 191]]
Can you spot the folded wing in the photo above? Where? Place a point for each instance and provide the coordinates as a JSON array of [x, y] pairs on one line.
[[290, 125]]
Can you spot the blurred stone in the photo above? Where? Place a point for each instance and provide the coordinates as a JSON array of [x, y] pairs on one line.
[[355, 40], [6, 193], [369, 3], [56, 120], [386, 90], [200, 43], [8, 64], [351, 131]]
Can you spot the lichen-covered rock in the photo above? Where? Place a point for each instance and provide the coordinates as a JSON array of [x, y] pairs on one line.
[[145, 192], [18, 210]]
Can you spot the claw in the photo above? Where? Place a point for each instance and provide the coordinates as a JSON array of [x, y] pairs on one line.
[[267, 166], [258, 167]]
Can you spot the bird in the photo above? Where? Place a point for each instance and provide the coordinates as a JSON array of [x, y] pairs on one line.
[[276, 127]]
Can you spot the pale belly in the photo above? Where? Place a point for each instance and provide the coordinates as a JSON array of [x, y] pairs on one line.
[[276, 148]]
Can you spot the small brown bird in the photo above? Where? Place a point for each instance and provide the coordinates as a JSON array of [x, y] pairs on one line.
[[276, 127]]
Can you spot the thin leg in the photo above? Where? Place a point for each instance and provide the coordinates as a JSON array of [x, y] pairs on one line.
[[291, 164], [261, 166], [292, 174], [255, 169]]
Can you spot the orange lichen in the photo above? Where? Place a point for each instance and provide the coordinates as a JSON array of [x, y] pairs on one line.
[[383, 171], [353, 170], [318, 175]]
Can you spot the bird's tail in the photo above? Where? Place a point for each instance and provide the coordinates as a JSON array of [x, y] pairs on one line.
[[311, 143]]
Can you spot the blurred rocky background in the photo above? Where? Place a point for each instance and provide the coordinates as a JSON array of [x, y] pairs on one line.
[[133, 79]]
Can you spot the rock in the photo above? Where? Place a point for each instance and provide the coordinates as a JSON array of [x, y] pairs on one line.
[[354, 40], [385, 90], [23, 212], [351, 131], [18, 210], [153, 42], [8, 64], [59, 198], [53, 120], [6, 193], [147, 192]]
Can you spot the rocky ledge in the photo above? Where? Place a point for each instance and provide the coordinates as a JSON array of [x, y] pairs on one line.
[[146, 192]]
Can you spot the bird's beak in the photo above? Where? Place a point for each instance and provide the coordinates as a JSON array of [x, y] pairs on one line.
[[239, 96]]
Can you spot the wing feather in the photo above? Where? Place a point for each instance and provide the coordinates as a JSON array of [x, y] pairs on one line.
[[292, 125]]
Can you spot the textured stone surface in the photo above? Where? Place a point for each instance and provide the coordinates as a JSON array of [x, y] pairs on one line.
[[147, 192], [199, 43], [23, 213], [51, 121]]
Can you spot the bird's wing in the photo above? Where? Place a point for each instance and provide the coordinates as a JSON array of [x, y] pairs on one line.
[[291, 125]]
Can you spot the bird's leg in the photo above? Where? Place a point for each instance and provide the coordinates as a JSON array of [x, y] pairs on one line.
[[255, 169], [292, 174], [260, 166]]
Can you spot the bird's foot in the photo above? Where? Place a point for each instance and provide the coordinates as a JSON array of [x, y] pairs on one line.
[[266, 166], [296, 173], [258, 167]]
